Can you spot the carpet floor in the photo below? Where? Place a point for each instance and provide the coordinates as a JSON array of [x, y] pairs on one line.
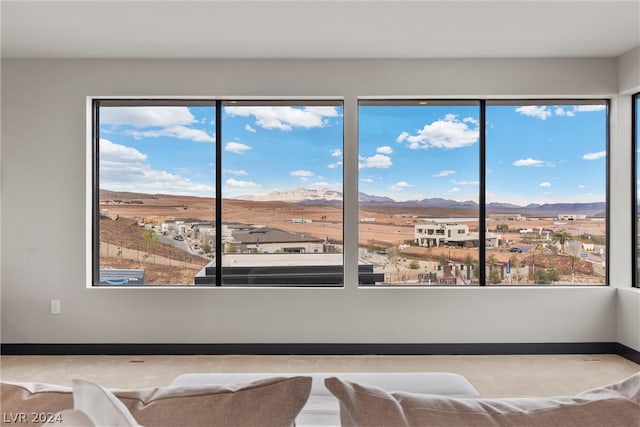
[[521, 375]]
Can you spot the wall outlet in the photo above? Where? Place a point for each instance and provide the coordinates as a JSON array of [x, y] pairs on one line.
[[56, 307]]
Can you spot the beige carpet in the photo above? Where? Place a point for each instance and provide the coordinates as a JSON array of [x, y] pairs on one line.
[[539, 375]]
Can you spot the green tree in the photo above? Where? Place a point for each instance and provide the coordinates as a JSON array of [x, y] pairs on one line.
[[540, 277], [561, 237], [414, 265], [468, 262], [516, 264], [545, 276], [442, 260], [494, 276], [150, 239], [502, 228], [393, 255], [491, 260]]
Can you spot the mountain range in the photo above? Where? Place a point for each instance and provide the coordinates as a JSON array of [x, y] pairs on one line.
[[307, 196]]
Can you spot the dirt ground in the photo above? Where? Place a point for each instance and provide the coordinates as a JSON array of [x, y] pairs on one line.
[[384, 228]]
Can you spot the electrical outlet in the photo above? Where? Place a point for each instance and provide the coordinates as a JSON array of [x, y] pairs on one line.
[[56, 307]]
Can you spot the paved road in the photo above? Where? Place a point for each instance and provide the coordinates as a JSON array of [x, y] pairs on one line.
[[182, 245]]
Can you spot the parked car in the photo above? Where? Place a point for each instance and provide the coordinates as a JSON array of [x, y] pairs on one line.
[[516, 249], [179, 238]]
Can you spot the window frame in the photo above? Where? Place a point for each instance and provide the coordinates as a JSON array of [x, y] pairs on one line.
[[483, 104], [93, 229], [580, 101], [635, 145], [93, 209]]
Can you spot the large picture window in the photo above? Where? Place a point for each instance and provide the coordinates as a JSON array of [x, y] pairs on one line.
[[489, 192], [419, 188], [546, 192], [250, 193], [215, 193]]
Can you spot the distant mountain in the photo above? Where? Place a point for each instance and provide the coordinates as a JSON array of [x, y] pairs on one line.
[[307, 195], [108, 194], [503, 207], [296, 196], [583, 208], [437, 202], [370, 199]]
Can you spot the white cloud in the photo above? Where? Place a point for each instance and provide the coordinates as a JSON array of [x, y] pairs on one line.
[[301, 173], [589, 108], [595, 156], [454, 190], [376, 161], [336, 152], [323, 185], [544, 184], [119, 153], [248, 128], [465, 182], [402, 185], [543, 112], [238, 172], [234, 183], [444, 173], [402, 137], [446, 133], [147, 116], [236, 147], [157, 121], [366, 180], [384, 150], [582, 186], [471, 120], [180, 132], [529, 162], [285, 117], [539, 112], [122, 168], [559, 111]]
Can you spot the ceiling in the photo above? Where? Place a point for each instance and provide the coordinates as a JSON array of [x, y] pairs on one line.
[[318, 29]]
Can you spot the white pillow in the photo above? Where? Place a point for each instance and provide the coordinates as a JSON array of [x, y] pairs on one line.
[[100, 405]]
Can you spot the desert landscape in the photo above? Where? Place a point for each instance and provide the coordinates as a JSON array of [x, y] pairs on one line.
[[386, 238]]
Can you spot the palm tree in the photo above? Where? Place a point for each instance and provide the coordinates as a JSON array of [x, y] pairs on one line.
[[561, 237]]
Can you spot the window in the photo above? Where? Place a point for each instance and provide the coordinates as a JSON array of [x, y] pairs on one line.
[[546, 192], [249, 193], [217, 193], [419, 187], [524, 194], [282, 210], [635, 108]]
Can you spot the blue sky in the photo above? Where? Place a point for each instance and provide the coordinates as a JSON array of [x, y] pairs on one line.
[[171, 150], [535, 154]]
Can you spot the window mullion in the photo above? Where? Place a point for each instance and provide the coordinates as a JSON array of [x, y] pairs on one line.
[[218, 227], [482, 214]]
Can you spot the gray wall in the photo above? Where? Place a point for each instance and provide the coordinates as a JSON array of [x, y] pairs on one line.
[[628, 300], [44, 143]]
